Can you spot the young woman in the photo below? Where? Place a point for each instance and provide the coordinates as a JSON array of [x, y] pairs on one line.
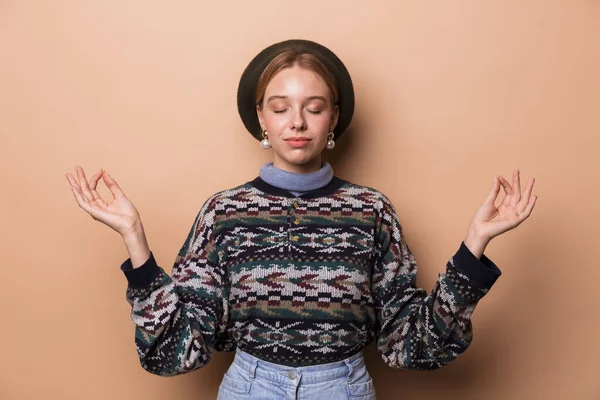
[[298, 270]]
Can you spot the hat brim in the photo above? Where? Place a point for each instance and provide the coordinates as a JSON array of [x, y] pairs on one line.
[[246, 96]]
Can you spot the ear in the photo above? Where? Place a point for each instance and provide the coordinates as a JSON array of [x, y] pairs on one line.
[[261, 118], [334, 118]]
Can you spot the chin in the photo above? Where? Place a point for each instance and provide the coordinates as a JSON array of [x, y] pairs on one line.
[[301, 159]]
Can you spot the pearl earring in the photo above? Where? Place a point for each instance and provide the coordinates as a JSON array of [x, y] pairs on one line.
[[265, 142], [330, 142]]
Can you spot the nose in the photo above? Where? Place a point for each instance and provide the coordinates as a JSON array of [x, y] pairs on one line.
[[298, 121]]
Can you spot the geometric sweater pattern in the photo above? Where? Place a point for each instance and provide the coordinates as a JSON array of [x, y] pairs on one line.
[[301, 281]]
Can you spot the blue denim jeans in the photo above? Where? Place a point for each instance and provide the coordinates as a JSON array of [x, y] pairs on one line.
[[249, 377]]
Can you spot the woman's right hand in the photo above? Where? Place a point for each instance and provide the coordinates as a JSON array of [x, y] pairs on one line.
[[120, 214]]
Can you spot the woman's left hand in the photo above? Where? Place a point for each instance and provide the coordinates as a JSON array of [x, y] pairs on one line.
[[491, 221]]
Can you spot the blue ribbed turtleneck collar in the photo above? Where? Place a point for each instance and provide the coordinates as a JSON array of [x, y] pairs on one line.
[[294, 182]]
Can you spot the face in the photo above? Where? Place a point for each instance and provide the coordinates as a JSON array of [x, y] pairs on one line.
[[298, 115]]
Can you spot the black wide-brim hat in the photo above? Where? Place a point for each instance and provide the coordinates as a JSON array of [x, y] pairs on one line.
[[246, 96]]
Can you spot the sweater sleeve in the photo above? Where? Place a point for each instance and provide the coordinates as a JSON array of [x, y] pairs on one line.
[[178, 319], [416, 329]]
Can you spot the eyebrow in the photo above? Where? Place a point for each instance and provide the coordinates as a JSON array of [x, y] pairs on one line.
[[286, 97]]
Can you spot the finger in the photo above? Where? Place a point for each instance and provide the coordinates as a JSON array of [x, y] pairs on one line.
[[93, 185], [85, 205], [70, 179], [494, 191], [83, 184], [75, 185], [507, 189], [112, 185], [526, 196], [516, 187], [99, 199], [81, 200], [506, 185], [527, 212], [94, 180]]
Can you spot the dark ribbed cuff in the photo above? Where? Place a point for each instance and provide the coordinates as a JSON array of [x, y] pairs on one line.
[[143, 275], [481, 272]]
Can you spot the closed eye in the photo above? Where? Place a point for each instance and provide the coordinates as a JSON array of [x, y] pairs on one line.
[[310, 111]]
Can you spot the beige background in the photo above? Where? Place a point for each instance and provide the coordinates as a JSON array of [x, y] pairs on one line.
[[448, 95]]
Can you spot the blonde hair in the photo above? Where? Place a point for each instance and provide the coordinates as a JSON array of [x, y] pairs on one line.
[[288, 59]]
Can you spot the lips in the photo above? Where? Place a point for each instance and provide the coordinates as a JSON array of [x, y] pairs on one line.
[[297, 142]]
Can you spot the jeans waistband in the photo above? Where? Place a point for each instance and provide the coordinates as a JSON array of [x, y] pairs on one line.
[[308, 374]]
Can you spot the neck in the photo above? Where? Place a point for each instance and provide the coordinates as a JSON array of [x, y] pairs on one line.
[[311, 166]]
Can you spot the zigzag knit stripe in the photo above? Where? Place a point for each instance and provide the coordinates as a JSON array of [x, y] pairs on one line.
[[301, 281]]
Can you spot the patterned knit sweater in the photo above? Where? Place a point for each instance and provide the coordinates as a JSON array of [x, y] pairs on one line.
[[301, 281]]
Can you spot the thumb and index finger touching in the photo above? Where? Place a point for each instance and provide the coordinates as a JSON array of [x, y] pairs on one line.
[[525, 199], [499, 182], [85, 192], [112, 185]]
